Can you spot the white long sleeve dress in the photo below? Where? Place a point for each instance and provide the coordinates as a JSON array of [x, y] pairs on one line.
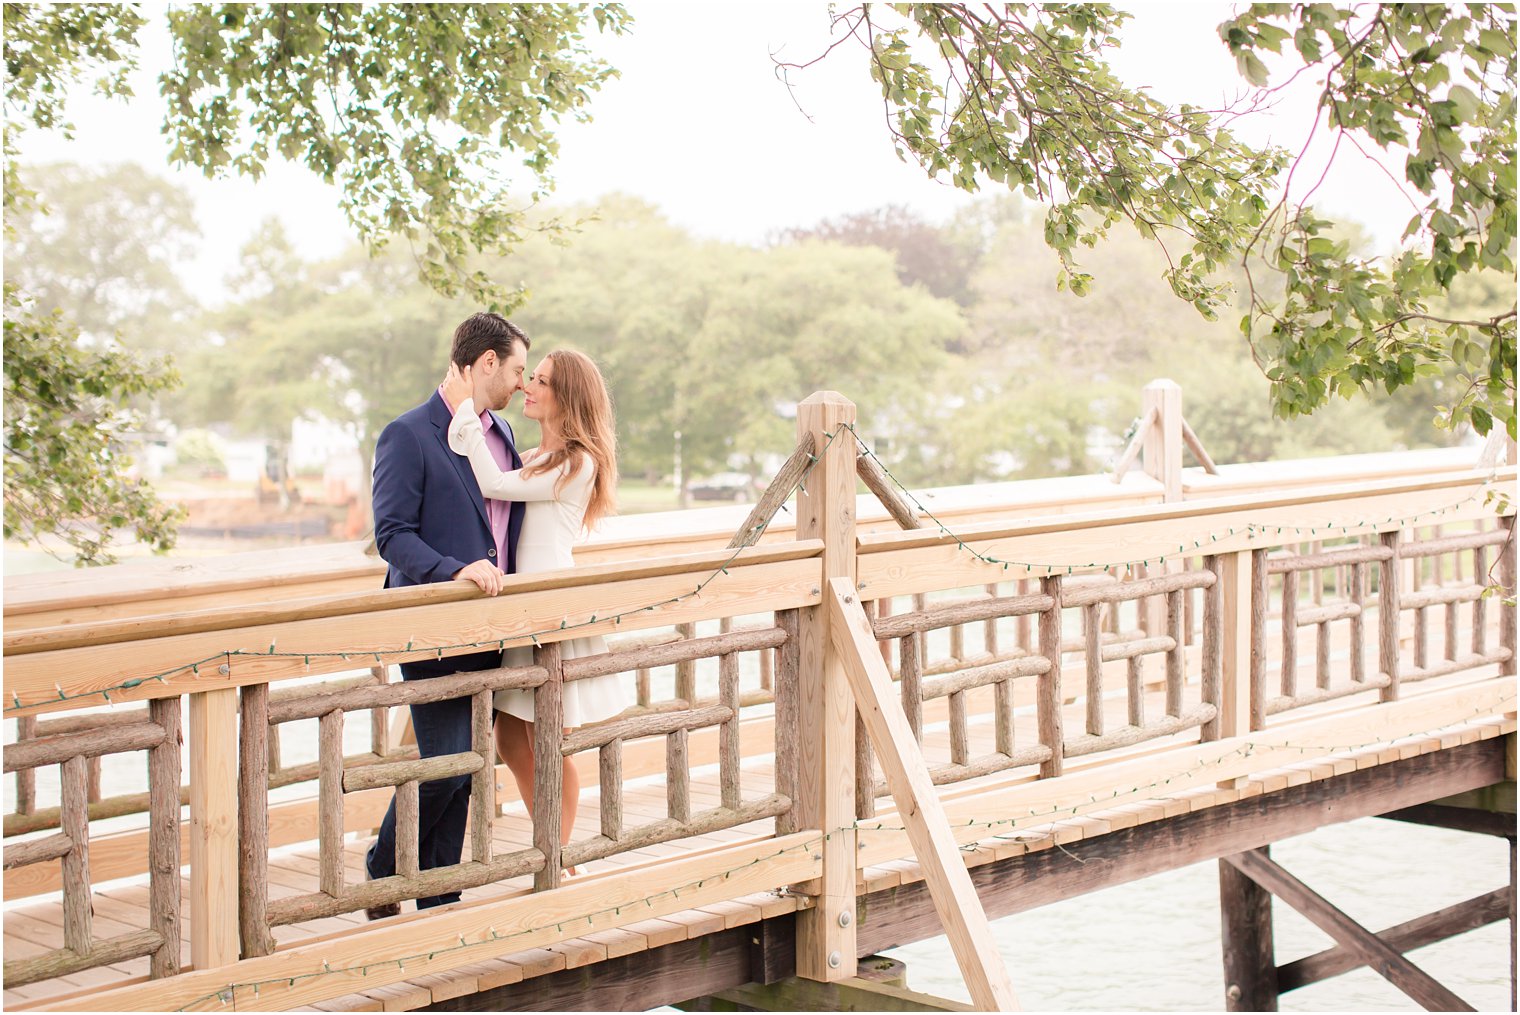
[[551, 522]]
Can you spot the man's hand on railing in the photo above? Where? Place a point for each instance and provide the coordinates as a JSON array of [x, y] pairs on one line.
[[482, 573]]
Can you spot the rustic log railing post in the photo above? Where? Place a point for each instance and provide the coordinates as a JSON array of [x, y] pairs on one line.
[[330, 804], [686, 670], [548, 764], [826, 717], [253, 821], [1049, 695], [1212, 654], [1388, 616], [213, 828], [74, 822], [163, 836]]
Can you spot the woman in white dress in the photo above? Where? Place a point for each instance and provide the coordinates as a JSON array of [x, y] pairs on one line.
[[567, 483]]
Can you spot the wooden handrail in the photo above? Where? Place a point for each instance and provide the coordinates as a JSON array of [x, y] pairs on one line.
[[320, 607]]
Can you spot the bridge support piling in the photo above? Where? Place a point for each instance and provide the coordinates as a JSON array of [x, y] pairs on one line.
[[1250, 968]]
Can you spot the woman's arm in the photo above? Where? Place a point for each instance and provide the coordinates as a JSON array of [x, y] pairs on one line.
[[467, 438]]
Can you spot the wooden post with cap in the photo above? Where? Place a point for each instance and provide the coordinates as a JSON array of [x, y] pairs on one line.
[[826, 713]]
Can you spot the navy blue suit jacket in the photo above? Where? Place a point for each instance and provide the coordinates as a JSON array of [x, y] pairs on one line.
[[430, 518]]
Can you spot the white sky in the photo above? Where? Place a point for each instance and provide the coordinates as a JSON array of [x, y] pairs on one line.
[[700, 126]]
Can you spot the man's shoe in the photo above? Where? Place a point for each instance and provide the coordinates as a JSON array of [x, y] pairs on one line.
[[383, 912]]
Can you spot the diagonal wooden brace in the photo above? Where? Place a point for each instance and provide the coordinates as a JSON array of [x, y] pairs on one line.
[[955, 899], [1349, 934]]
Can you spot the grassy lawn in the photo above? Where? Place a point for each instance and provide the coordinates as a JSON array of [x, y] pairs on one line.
[[636, 498]]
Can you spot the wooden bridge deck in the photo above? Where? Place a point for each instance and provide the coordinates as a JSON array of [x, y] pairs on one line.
[[35, 926]]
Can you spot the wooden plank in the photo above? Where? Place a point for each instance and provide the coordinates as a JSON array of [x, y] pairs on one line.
[[1462, 819], [1351, 935], [431, 942], [856, 994], [278, 610], [1032, 878], [826, 764], [906, 563], [508, 619], [955, 900], [1028, 803], [1237, 648], [213, 828]]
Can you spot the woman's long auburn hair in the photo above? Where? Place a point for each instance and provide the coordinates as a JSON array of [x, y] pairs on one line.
[[586, 427]]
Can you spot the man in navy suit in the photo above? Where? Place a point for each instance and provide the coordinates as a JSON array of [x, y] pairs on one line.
[[432, 525]]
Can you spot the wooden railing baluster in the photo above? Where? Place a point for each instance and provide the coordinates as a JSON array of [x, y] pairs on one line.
[[1357, 594], [610, 783], [1211, 656], [1092, 630], [788, 665], [1480, 605], [1134, 687], [483, 782], [1048, 695], [408, 826], [26, 778], [686, 670], [677, 777], [330, 797], [548, 764], [1288, 674], [1507, 583], [1388, 615], [728, 731], [163, 837], [74, 806], [911, 679], [253, 820], [960, 749]]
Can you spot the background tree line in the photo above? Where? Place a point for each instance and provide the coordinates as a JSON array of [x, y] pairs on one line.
[[437, 124], [966, 362]]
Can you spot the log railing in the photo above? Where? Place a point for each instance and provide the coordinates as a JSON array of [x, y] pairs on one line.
[[1064, 648], [159, 735], [1373, 581], [27, 817]]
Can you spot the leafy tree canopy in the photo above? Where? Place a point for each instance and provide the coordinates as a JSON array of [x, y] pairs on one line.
[[418, 112], [413, 110], [1020, 94], [104, 246]]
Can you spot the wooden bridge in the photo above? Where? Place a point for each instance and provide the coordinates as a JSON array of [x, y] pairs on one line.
[[1178, 666]]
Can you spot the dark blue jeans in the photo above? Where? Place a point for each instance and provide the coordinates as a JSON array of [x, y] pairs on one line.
[[443, 805]]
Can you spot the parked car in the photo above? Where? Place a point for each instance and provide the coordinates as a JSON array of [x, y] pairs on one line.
[[723, 486]]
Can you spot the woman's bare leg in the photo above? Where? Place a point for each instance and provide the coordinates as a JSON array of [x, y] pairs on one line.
[[514, 742]]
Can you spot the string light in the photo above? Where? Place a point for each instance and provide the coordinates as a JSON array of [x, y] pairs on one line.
[[227, 994], [1003, 829], [565, 625], [1251, 530]]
